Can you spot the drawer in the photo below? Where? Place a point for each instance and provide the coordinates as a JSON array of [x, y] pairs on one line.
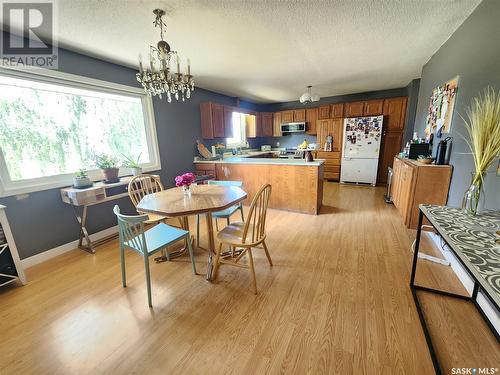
[[328, 155], [332, 169], [331, 162], [205, 166], [331, 176]]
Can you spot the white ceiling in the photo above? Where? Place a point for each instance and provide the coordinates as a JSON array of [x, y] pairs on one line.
[[268, 51]]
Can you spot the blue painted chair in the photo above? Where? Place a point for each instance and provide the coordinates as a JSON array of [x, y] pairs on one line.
[[224, 214], [146, 243]]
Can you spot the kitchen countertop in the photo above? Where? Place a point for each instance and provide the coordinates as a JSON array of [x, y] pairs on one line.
[[273, 161]]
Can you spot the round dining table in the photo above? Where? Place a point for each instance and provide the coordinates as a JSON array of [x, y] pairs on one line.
[[203, 199]]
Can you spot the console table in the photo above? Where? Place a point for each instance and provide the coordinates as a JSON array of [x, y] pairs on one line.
[[472, 240], [10, 264], [96, 194]]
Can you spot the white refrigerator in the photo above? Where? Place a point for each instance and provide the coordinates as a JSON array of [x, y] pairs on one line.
[[360, 151]]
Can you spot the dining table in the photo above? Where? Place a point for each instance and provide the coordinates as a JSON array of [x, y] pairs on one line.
[[201, 199]]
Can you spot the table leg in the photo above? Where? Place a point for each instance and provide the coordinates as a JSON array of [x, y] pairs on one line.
[[82, 220], [211, 246]]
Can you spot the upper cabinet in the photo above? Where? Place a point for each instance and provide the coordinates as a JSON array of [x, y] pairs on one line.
[[354, 109], [395, 113], [364, 108], [277, 124], [324, 112], [287, 116], [253, 126], [337, 110], [373, 108], [311, 118], [212, 120], [267, 124], [299, 115], [331, 127]]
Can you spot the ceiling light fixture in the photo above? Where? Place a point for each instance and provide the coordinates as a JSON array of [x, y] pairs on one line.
[[307, 97], [161, 80]]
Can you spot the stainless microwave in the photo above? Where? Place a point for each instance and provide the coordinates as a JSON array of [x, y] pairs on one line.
[[293, 127]]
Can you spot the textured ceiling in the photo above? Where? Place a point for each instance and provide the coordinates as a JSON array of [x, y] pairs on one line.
[[268, 51]]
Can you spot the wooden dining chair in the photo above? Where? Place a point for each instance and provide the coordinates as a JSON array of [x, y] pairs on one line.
[[224, 214], [133, 236], [142, 185], [246, 235]]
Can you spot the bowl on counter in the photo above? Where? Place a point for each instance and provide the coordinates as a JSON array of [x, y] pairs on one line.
[[424, 159]]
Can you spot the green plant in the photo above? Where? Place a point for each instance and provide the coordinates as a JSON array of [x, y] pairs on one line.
[[129, 162], [104, 161], [82, 173]]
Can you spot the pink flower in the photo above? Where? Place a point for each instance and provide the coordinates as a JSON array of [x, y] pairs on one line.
[[185, 179]]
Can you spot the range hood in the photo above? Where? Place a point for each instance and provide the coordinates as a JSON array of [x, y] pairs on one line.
[[293, 127]]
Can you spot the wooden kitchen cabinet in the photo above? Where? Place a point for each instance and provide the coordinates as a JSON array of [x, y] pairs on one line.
[[212, 120], [332, 164], [205, 169], [299, 115], [394, 112], [267, 124], [354, 109], [337, 110], [373, 108], [311, 119], [390, 146], [287, 116], [416, 183], [277, 124], [331, 127], [324, 112], [253, 126]]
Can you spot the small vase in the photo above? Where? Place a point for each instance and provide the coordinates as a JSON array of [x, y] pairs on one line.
[[186, 189], [472, 197]]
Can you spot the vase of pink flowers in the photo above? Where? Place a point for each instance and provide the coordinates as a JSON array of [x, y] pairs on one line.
[[185, 180]]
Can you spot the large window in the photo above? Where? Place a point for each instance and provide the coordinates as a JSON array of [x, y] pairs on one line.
[[52, 127]]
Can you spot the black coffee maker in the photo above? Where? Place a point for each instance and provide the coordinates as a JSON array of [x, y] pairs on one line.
[[442, 151]]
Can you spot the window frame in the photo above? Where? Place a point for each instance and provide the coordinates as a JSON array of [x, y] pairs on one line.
[[243, 130], [9, 187]]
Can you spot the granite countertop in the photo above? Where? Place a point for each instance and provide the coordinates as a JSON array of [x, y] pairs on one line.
[[272, 161]]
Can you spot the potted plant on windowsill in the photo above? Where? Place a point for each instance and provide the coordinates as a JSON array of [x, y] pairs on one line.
[[133, 165], [81, 180], [109, 166]]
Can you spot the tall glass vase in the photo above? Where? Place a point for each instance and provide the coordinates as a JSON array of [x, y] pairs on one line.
[[473, 196]]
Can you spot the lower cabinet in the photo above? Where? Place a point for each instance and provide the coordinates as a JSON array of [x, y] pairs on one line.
[[332, 164], [414, 183], [205, 169]]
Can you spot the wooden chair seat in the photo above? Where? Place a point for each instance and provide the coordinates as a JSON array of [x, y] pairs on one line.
[[233, 235]]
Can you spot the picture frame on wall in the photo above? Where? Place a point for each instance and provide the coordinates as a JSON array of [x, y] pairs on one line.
[[441, 108]]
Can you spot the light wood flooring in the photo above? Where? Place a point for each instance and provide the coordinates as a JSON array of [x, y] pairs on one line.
[[336, 301]]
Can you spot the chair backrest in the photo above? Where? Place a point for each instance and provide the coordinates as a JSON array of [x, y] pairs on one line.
[[131, 230], [255, 224], [142, 185], [225, 183]]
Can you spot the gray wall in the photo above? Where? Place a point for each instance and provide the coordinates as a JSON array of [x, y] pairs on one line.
[[411, 109], [472, 53], [40, 221]]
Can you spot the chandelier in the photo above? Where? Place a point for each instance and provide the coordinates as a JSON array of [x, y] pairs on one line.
[[307, 97], [158, 78]]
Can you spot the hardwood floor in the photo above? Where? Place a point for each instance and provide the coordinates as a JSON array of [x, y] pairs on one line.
[[336, 301]]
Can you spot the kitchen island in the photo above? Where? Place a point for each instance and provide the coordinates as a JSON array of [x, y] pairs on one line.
[[297, 185]]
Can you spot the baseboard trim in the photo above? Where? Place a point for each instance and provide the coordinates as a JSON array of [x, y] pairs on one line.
[[489, 310], [59, 250]]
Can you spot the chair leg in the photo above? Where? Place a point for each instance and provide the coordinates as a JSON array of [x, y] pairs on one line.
[[242, 216], [217, 261], [191, 255], [216, 225], [122, 263], [228, 221], [252, 270], [267, 253], [148, 280], [198, 230]]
